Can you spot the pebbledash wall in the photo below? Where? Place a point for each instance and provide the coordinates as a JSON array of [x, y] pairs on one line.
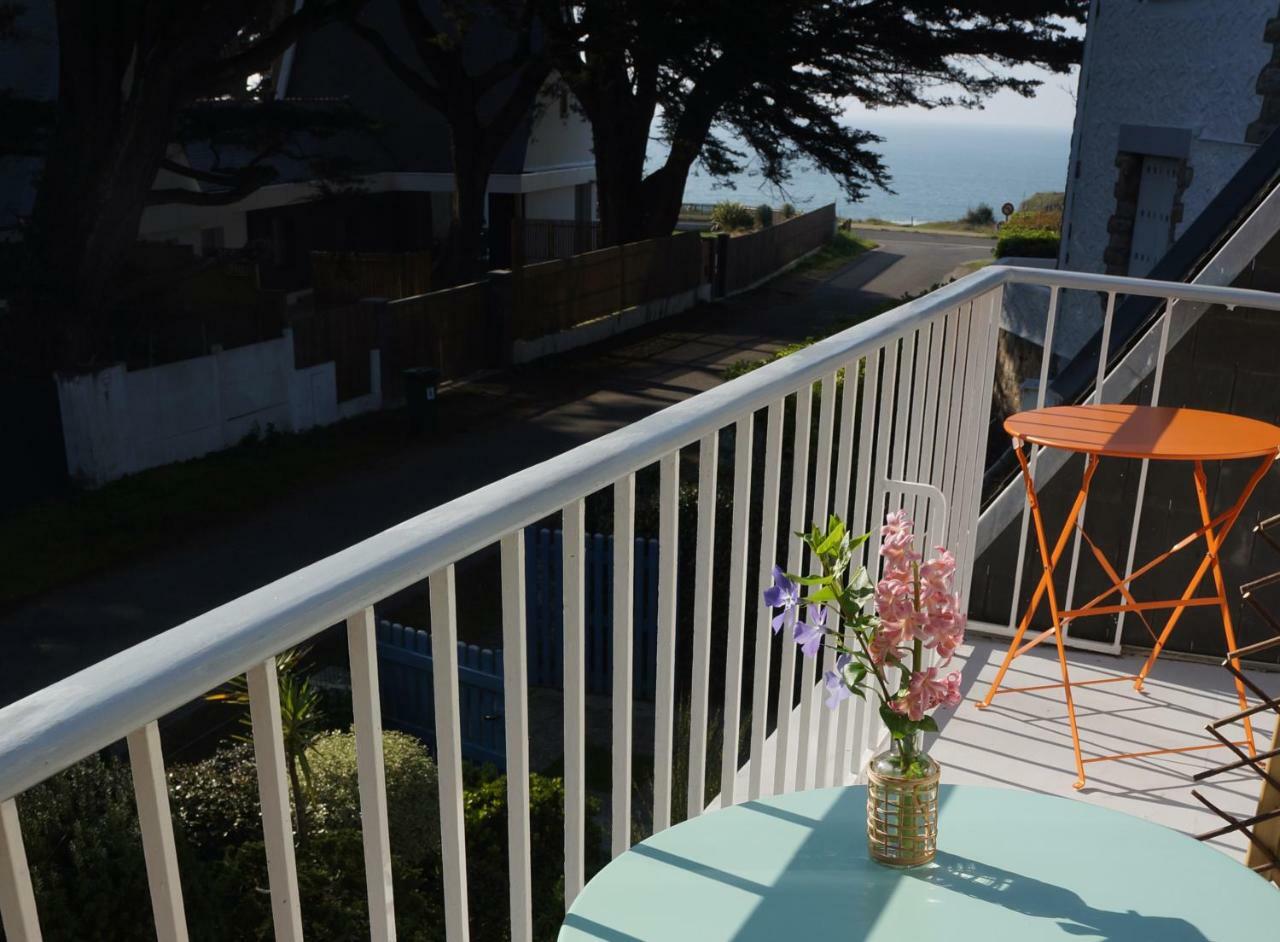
[[119, 421], [1190, 82]]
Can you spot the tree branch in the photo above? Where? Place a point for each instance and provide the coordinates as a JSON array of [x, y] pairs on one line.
[[433, 95]]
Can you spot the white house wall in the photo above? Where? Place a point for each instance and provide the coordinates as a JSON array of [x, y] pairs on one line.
[[550, 204], [1164, 64], [556, 141]]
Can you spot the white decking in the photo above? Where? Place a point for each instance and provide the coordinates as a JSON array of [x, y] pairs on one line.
[[1023, 741]]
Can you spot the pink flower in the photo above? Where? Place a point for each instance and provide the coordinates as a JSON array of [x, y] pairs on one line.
[[953, 696]]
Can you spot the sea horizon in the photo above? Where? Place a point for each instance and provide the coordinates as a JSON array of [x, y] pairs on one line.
[[938, 171]]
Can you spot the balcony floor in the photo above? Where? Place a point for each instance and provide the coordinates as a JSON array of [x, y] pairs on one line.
[[1023, 740]]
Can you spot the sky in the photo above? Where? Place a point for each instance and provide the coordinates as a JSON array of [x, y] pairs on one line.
[[1052, 107]]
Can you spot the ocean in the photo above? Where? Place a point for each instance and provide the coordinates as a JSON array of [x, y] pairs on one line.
[[938, 171]]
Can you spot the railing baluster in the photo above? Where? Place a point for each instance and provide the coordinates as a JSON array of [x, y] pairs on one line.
[[704, 577], [17, 899], [884, 431], [575, 706], [1099, 382], [764, 635], [844, 477], [515, 697], [444, 678], [664, 681], [862, 491], [1156, 383], [1046, 356], [821, 506], [955, 440], [918, 423], [783, 767], [624, 531], [932, 413], [151, 791], [731, 723], [277, 824], [366, 709], [987, 311]]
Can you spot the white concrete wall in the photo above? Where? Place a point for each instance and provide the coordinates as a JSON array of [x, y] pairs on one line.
[[117, 421], [557, 203], [556, 142], [1162, 63]]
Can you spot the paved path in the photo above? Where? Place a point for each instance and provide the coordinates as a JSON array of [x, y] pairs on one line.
[[529, 415]]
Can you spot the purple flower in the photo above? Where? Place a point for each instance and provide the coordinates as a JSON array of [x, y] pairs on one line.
[[783, 594], [808, 634], [837, 689]]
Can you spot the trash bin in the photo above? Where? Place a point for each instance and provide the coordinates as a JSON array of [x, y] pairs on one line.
[[420, 384]]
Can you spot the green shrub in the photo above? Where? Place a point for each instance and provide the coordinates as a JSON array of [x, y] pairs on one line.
[[764, 214], [980, 215], [1027, 243], [728, 216], [215, 800], [80, 829], [788, 211], [412, 791], [1044, 203], [1037, 219], [485, 809]]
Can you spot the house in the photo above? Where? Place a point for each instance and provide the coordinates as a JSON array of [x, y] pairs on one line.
[[1173, 99], [396, 190]]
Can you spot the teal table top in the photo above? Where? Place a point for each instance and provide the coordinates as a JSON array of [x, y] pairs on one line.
[[1011, 865]]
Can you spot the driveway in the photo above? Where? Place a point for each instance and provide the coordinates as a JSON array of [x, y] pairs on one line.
[[526, 416]]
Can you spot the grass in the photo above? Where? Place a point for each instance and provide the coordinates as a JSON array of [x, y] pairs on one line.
[[59, 541], [843, 248]]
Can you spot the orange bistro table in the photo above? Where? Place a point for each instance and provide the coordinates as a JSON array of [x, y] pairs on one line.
[[1158, 434]]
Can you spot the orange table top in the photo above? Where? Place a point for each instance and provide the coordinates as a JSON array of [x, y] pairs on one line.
[[1157, 432]]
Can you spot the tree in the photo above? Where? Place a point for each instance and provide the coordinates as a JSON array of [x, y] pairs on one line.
[[126, 71], [774, 75], [483, 98]]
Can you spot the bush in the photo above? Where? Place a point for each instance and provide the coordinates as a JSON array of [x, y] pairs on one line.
[[1044, 203], [788, 211], [980, 215], [485, 808], [764, 215], [80, 829], [727, 216], [215, 801], [1040, 219], [1027, 243], [412, 791]]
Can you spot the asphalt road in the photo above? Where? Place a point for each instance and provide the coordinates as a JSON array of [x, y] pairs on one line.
[[523, 417]]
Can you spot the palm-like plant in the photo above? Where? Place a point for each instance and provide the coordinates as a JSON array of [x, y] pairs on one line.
[[301, 719]]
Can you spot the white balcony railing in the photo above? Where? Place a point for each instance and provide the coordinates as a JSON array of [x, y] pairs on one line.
[[919, 414]]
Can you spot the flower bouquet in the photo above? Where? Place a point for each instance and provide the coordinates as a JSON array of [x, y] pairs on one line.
[[881, 634]]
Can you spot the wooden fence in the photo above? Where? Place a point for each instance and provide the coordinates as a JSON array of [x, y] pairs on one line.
[[746, 259], [555, 296], [343, 334], [345, 277], [452, 330], [545, 614], [556, 238], [408, 698]]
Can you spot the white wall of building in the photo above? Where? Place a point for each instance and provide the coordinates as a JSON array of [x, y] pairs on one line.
[[550, 204], [1183, 64], [560, 136], [119, 421]]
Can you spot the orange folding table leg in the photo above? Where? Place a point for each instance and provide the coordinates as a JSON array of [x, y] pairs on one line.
[[1050, 560], [1213, 541]]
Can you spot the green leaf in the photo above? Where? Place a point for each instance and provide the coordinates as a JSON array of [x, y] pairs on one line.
[[832, 538], [928, 724], [825, 594], [898, 725]]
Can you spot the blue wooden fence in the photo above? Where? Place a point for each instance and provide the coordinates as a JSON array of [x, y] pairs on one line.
[[545, 614], [408, 691]]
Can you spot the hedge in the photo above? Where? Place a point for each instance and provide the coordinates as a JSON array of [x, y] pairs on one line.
[[1027, 243]]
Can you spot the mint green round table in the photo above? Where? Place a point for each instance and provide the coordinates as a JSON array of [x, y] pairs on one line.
[[1011, 865]]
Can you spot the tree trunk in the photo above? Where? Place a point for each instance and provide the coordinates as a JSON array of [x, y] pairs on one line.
[[472, 166]]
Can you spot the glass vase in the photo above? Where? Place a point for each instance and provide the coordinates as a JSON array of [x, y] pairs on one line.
[[902, 805]]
